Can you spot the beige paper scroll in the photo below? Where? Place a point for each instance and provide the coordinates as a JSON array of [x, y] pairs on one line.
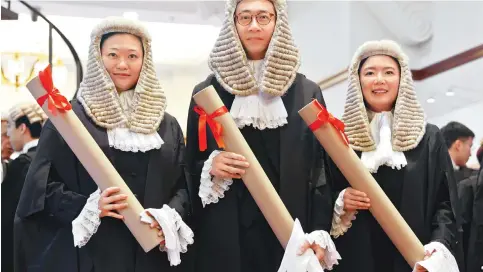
[[98, 166], [360, 179], [254, 178]]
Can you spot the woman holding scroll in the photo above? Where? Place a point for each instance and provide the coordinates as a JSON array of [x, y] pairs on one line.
[[254, 64], [408, 157], [122, 105]]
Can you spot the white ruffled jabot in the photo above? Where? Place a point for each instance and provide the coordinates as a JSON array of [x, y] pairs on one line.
[[384, 154], [126, 140], [259, 110]]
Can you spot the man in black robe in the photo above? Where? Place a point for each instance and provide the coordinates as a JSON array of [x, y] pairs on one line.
[[263, 91], [470, 192], [24, 127], [475, 242], [459, 139]]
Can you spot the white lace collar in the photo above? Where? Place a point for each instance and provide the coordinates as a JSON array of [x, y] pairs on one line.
[[455, 166], [259, 110], [126, 140], [381, 131], [29, 145]]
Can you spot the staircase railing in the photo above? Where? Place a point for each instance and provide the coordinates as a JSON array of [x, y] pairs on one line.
[[52, 27]]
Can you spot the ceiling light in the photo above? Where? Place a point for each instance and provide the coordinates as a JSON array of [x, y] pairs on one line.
[[431, 100], [449, 93]]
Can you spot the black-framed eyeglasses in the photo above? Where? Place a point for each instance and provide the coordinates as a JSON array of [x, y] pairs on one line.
[[246, 18]]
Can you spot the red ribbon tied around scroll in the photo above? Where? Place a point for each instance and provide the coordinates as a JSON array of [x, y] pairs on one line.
[[57, 102], [216, 128], [325, 117]]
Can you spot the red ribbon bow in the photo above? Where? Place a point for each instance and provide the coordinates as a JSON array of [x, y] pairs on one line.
[[57, 102], [325, 117], [216, 128]]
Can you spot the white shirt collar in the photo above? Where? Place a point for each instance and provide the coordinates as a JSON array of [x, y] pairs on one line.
[[455, 167], [29, 145], [15, 155]]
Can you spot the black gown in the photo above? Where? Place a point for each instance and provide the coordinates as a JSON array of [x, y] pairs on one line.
[[425, 194], [232, 235], [471, 196], [11, 189], [466, 194], [464, 173], [56, 190]]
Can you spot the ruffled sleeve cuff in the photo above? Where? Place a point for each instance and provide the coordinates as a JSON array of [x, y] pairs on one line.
[[259, 110], [212, 188], [322, 238], [177, 235], [441, 259], [294, 260], [341, 220], [86, 224]]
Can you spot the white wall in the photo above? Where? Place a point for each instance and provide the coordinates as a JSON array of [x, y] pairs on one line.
[[178, 83], [321, 32], [457, 26]]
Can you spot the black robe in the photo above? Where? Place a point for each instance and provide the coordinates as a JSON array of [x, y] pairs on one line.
[[466, 194], [471, 196], [11, 189], [464, 173], [56, 190], [232, 235], [425, 194], [4, 168]]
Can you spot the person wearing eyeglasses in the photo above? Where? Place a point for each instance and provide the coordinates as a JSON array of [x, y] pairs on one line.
[[254, 63]]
